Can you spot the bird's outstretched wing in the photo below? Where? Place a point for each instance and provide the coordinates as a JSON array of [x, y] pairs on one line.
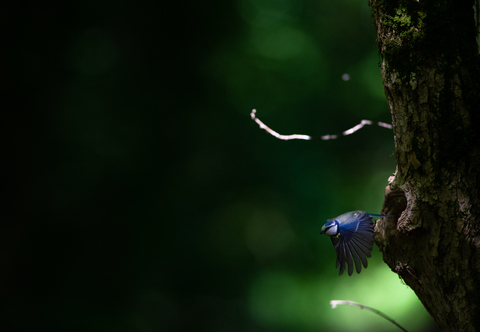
[[354, 241]]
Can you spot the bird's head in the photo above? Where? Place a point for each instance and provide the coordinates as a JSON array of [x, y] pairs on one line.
[[330, 228]]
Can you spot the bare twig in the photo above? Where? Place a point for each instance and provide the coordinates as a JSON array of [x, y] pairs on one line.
[[334, 304], [307, 137], [274, 133]]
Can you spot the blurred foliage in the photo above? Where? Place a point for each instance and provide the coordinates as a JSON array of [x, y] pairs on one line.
[[145, 198]]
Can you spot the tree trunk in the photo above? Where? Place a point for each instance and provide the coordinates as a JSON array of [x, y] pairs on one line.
[[431, 73]]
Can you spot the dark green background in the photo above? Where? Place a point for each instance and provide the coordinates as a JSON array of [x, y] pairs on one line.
[[142, 197]]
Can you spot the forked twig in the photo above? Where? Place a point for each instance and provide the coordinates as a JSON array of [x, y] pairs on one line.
[[334, 304], [307, 137]]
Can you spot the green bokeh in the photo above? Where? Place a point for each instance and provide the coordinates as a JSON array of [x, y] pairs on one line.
[[146, 199]]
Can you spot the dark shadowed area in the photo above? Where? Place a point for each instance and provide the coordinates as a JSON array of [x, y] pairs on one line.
[[142, 197]]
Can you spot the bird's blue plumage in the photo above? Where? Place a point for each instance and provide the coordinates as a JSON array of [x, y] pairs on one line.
[[352, 236]]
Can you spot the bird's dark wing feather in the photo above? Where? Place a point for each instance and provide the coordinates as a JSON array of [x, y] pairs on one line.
[[341, 257], [346, 249], [355, 241]]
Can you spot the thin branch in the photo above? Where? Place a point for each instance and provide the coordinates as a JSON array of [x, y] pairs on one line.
[[334, 304], [274, 133], [307, 137], [384, 125]]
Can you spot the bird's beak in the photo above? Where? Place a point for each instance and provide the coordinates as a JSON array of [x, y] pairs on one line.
[[322, 232]]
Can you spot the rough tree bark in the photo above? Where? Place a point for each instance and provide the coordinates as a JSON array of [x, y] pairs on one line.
[[431, 73]]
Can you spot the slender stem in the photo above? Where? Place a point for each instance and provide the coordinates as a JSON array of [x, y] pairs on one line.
[[307, 137], [334, 304]]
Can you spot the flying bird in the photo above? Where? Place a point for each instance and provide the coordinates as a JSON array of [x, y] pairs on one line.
[[352, 236]]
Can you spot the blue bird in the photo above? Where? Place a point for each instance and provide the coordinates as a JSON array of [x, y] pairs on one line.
[[352, 236]]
